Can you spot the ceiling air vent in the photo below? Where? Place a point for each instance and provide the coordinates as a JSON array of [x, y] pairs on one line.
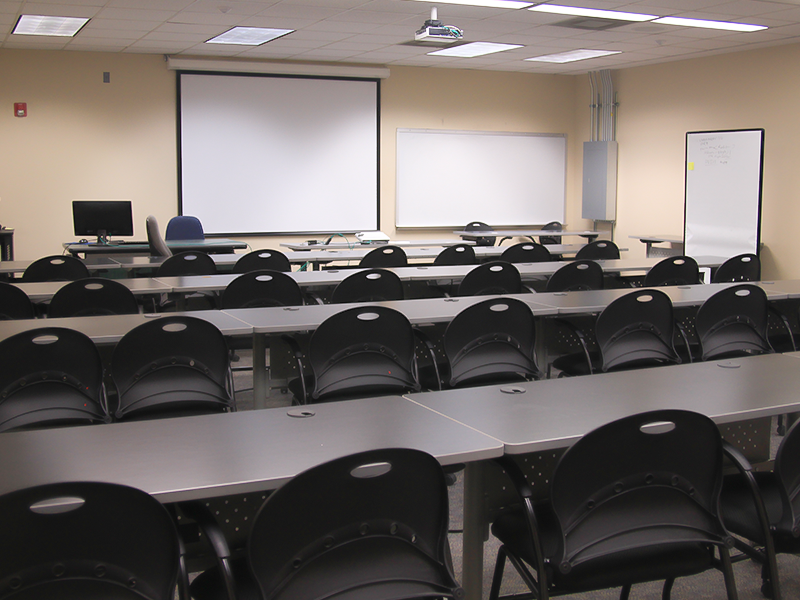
[[591, 23]]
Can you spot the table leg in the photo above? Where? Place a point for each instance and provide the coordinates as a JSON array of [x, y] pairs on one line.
[[475, 531], [259, 370]]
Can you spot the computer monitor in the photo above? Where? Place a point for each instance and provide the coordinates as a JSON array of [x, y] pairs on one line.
[[102, 218]]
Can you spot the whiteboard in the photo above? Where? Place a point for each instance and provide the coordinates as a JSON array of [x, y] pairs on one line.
[[278, 155], [449, 178], [722, 215]]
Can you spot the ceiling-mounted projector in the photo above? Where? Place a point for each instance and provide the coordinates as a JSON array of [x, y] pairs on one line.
[[435, 31]]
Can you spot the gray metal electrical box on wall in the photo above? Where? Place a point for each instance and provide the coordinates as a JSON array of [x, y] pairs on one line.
[[600, 181]]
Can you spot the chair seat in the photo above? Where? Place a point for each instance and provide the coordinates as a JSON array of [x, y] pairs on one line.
[[739, 512], [395, 571], [48, 404], [157, 393], [643, 564]]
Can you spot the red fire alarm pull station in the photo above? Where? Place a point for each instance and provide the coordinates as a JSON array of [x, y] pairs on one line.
[[20, 109]]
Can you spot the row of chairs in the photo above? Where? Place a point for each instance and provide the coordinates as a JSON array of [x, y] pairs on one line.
[[639, 499], [171, 366]]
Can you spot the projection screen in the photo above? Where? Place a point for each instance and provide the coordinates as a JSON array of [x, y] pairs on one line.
[[265, 154]]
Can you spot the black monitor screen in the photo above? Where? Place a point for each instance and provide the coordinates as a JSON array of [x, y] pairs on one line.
[[102, 218]]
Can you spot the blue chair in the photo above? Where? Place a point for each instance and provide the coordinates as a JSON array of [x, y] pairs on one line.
[[185, 228]]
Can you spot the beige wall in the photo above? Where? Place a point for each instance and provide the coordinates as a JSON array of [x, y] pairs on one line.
[[86, 139]]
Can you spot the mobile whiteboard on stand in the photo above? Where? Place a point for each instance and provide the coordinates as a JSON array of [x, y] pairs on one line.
[[722, 213]]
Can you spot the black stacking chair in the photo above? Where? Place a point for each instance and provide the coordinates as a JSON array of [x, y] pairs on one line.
[[459, 254], [88, 540], [498, 277], [187, 263], [480, 240], [762, 508], [384, 257], [158, 247], [635, 500], [93, 296], [50, 377], [14, 303], [360, 352], [184, 227], [745, 267], [598, 250], [368, 525], [258, 260], [673, 270], [261, 288], [55, 268], [172, 366], [551, 239], [373, 285], [576, 275], [526, 252], [635, 330], [491, 342], [733, 322]]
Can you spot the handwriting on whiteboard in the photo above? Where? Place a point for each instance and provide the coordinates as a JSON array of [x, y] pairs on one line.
[[716, 150]]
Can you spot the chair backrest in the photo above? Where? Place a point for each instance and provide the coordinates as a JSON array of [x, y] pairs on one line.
[[526, 252], [87, 540], [641, 481], [458, 254], [551, 239], [636, 330], [187, 263], [379, 527], [55, 268], [673, 270], [497, 277], [480, 240], [14, 303], [184, 227], [373, 285], [51, 376], [384, 257], [261, 288], [733, 322], [575, 276], [362, 351], [492, 341], [598, 250], [172, 365], [93, 296], [258, 260], [158, 247], [745, 267]]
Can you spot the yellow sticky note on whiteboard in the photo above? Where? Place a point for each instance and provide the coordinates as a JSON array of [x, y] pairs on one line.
[[690, 166]]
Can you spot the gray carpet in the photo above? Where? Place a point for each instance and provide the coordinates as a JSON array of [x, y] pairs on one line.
[[706, 586]]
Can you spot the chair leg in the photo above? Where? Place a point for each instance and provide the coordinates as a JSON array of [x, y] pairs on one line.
[[497, 578], [625, 592], [727, 571], [667, 591]]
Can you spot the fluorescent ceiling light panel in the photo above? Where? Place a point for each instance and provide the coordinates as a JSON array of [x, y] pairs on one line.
[[592, 12], [55, 26], [487, 3], [572, 56], [248, 36], [474, 49], [709, 24]]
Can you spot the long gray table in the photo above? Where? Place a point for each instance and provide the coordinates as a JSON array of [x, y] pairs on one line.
[[552, 414], [45, 290], [528, 233]]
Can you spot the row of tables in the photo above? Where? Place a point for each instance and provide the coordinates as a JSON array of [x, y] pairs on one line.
[[219, 455]]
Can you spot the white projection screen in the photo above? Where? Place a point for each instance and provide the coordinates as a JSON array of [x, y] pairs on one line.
[[722, 214], [278, 155]]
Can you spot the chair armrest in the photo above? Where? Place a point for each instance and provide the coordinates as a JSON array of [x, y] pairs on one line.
[[581, 337], [208, 524], [298, 357]]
